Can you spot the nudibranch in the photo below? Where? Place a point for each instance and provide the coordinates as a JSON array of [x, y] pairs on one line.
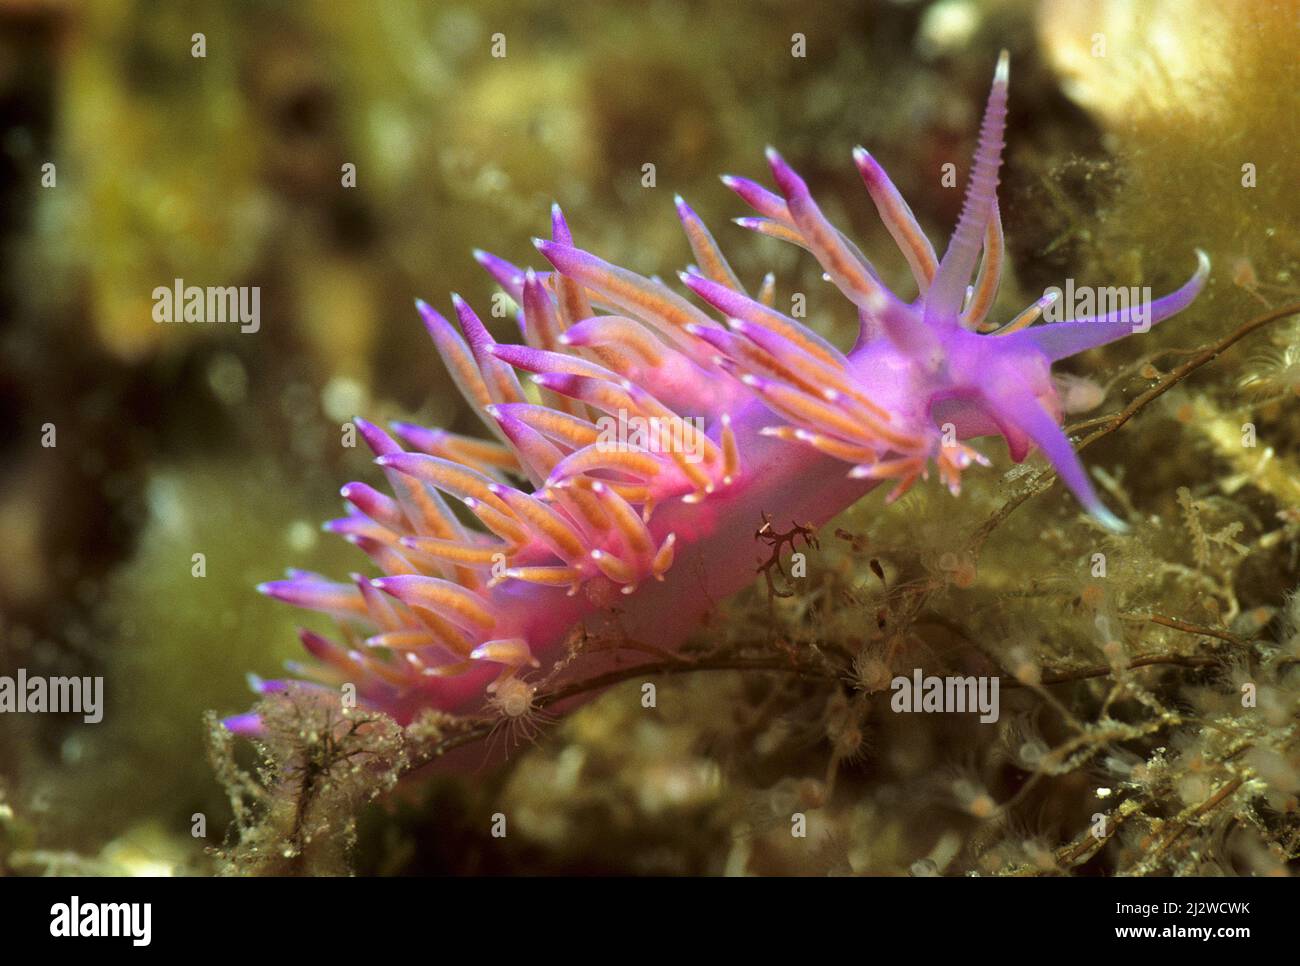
[[767, 416]]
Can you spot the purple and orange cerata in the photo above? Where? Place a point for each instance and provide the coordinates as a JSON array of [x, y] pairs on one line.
[[765, 415]]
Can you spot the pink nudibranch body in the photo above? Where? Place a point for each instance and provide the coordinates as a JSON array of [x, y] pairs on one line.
[[576, 530]]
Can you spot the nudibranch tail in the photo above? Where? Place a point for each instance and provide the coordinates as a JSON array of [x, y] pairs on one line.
[[650, 429]]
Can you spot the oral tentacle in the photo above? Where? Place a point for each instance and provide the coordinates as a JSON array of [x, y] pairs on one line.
[[1060, 340]]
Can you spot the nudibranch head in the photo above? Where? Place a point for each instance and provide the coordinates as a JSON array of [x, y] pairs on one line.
[[654, 425]]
